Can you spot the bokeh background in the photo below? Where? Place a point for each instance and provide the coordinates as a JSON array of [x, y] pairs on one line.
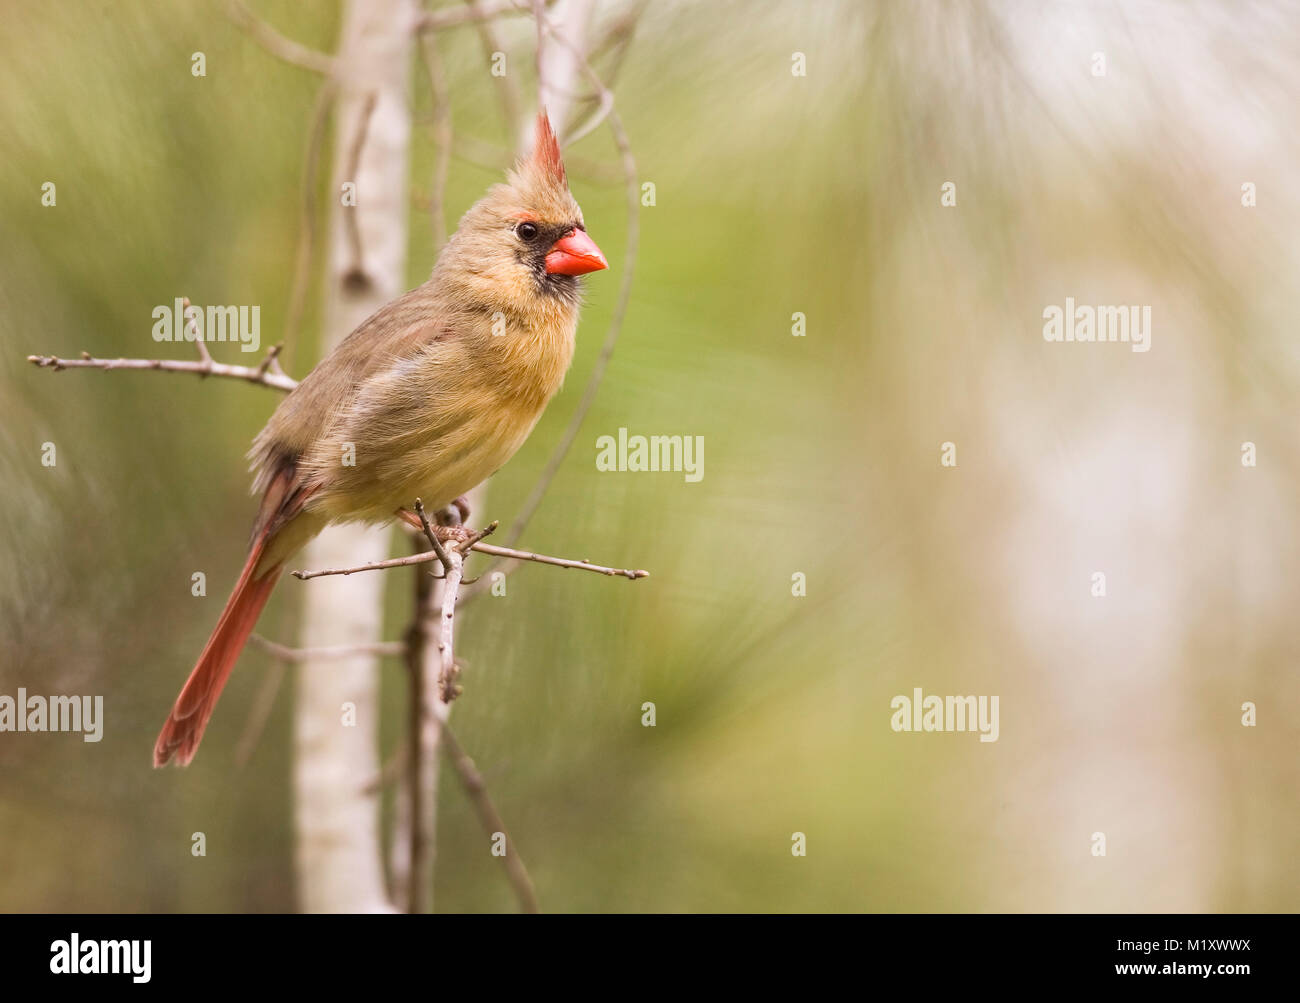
[[776, 194]]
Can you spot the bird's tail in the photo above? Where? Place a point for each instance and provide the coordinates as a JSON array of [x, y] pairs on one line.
[[183, 731]]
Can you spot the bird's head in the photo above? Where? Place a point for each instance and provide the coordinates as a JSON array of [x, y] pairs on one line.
[[524, 244]]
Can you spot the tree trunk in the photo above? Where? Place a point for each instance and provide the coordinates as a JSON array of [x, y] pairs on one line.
[[339, 863]]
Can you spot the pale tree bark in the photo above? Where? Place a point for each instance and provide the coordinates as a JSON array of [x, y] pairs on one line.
[[339, 863], [559, 73]]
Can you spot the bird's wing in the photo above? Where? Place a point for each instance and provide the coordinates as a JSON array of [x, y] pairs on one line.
[[311, 413]]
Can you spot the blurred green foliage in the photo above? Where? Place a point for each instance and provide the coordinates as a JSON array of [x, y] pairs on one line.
[[775, 194]]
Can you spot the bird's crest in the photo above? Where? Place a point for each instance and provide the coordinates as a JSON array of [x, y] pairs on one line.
[[546, 158]]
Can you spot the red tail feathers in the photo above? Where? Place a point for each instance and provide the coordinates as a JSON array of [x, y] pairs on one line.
[[183, 731]]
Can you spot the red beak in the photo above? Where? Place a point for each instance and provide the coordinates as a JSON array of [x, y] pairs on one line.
[[575, 254]]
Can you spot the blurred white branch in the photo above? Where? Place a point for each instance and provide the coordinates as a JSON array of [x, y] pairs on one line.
[[339, 859]]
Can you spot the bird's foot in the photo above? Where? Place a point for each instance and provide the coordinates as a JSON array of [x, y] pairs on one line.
[[446, 524]]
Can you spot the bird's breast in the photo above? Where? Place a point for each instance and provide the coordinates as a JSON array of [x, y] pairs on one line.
[[447, 420]]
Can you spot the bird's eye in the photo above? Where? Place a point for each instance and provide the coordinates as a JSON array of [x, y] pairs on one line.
[[526, 231]]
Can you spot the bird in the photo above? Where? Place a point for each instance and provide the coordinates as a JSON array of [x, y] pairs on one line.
[[427, 398]]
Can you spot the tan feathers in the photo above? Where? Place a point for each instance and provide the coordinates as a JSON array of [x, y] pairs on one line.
[[427, 398], [434, 392]]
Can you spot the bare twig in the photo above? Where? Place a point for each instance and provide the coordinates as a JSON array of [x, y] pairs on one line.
[[418, 791], [278, 45], [606, 99], [618, 38], [559, 562], [267, 374], [397, 766], [472, 781], [446, 649], [508, 553], [192, 326], [511, 102], [442, 136], [271, 361], [415, 805], [431, 536], [307, 229]]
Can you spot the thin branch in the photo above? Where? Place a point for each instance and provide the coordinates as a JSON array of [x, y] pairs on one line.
[[559, 562], [397, 766], [446, 649], [418, 805], [271, 362], [192, 326], [431, 536], [307, 229], [428, 729], [475, 787], [355, 276], [606, 99], [267, 374], [415, 806], [618, 39], [511, 103], [279, 45], [442, 135], [508, 553], [483, 582]]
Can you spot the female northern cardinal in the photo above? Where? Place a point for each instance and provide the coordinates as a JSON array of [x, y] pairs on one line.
[[426, 399]]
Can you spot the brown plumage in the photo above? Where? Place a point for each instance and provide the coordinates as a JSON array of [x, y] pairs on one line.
[[427, 398]]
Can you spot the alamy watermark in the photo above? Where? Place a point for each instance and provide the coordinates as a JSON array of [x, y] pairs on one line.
[[936, 713], [37, 713], [683, 454], [1128, 324], [218, 323], [75, 956]]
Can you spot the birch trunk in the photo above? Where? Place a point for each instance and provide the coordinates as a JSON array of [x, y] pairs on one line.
[[560, 76], [339, 864]]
